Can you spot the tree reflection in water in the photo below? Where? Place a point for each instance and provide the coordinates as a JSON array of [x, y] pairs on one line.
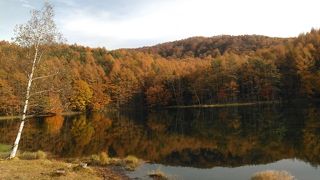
[[228, 137]]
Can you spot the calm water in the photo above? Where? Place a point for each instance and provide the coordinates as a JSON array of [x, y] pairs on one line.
[[220, 143]]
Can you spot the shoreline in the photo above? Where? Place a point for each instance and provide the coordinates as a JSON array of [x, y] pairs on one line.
[[222, 105], [225, 105], [45, 166], [51, 168], [15, 117]]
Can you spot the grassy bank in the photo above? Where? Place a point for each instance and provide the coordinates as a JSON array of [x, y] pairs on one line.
[[44, 169], [226, 105], [35, 165]]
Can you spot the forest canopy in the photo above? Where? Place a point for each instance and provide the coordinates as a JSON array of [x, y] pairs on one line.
[[198, 70]]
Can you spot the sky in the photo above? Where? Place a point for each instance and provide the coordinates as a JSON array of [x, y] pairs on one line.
[[135, 23]]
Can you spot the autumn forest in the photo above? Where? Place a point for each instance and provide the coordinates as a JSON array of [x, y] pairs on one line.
[[195, 71]]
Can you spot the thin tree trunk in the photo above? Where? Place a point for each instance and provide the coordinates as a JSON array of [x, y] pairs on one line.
[[195, 92], [25, 108]]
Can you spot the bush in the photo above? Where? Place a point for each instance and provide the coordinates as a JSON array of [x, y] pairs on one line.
[[33, 155], [104, 158], [131, 159], [41, 155], [131, 162], [272, 175], [101, 159], [95, 159]]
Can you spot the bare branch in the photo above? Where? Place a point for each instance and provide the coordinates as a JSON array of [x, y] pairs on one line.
[[44, 91], [39, 59], [47, 76]]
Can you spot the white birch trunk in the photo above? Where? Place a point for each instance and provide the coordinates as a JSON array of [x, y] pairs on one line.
[[25, 108]]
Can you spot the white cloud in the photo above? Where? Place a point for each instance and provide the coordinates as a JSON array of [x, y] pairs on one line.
[[26, 4], [176, 19]]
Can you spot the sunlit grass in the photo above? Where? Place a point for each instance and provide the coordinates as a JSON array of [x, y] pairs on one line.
[[43, 169], [132, 162], [102, 159], [158, 174], [32, 155], [272, 175]]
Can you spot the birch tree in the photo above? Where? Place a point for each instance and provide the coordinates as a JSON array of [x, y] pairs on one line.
[[37, 34]]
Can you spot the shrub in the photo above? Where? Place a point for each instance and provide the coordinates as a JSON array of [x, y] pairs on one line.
[[101, 159], [33, 155], [27, 155], [41, 155], [95, 159], [131, 162], [104, 158]]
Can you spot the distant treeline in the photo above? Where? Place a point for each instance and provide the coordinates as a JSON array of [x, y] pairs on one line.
[[221, 69]]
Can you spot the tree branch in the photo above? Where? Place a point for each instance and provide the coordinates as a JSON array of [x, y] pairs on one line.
[[42, 77], [40, 92], [39, 59]]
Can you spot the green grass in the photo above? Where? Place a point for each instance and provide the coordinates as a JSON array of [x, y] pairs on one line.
[[4, 151], [5, 148]]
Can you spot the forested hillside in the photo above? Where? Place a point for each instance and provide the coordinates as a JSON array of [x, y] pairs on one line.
[[215, 46], [198, 70]]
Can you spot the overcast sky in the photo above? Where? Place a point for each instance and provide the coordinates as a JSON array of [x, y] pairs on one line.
[[134, 23]]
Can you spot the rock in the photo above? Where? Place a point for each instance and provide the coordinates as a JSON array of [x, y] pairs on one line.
[[60, 172], [84, 165]]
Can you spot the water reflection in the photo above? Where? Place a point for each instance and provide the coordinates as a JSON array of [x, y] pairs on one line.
[[204, 138]]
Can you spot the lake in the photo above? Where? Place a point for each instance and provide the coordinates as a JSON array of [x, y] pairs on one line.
[[200, 143]]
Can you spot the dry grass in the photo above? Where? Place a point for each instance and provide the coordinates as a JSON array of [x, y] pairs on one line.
[[32, 155], [272, 175], [130, 162], [104, 158], [4, 155], [5, 152], [43, 169], [101, 159], [34, 165], [158, 175]]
